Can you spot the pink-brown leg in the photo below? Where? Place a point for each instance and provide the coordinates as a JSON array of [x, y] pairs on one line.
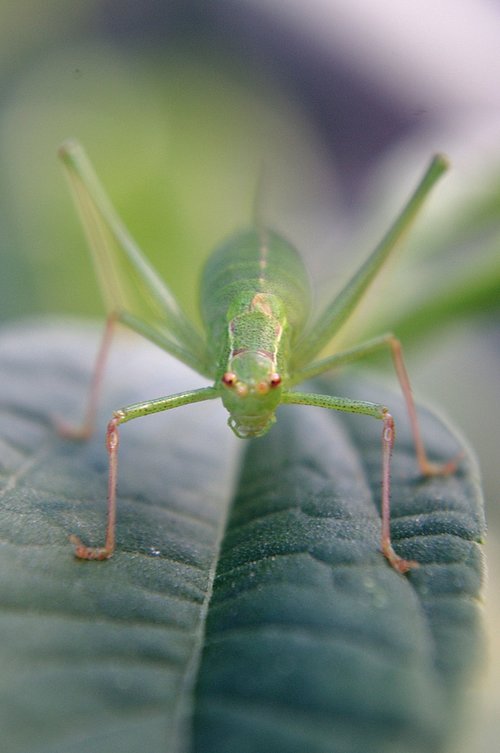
[[397, 562], [120, 416], [104, 552], [426, 467], [85, 430]]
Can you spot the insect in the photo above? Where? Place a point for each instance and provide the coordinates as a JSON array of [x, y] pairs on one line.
[[257, 345]]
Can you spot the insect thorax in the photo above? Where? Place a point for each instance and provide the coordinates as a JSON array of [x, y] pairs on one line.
[[253, 265], [256, 350]]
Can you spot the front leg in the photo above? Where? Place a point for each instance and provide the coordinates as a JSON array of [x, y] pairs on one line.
[[398, 563], [82, 551], [112, 443], [377, 411]]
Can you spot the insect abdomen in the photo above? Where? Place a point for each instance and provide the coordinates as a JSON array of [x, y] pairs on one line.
[[249, 263]]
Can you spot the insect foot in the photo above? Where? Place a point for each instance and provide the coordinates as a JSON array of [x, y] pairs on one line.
[[83, 552], [397, 562], [442, 469], [68, 431]]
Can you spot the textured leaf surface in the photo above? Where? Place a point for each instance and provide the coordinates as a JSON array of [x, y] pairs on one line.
[[245, 609]]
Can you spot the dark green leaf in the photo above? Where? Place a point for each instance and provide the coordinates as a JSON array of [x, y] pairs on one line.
[[249, 613]]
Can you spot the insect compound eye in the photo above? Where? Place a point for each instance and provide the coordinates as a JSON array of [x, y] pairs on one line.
[[275, 380], [229, 379]]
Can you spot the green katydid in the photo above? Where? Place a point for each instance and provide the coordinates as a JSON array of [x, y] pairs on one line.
[[259, 343]]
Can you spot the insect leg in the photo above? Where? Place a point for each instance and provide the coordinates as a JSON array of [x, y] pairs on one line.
[[427, 468], [320, 333], [377, 411], [104, 552], [112, 443], [86, 428]]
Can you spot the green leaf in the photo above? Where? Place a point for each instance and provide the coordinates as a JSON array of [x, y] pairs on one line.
[[246, 609]]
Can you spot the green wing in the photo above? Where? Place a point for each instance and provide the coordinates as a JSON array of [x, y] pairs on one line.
[[129, 285]]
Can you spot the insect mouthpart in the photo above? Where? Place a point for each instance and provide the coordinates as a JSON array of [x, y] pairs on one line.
[[246, 427]]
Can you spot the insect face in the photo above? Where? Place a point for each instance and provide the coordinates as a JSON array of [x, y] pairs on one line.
[[251, 393]]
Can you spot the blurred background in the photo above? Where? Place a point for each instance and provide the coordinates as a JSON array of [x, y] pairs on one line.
[[333, 108]]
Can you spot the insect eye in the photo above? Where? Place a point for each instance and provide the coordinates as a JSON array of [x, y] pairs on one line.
[[275, 380], [229, 379]]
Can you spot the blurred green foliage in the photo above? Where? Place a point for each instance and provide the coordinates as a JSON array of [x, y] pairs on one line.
[[181, 134], [179, 137]]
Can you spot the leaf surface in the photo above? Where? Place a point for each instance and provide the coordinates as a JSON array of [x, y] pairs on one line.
[[247, 607]]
